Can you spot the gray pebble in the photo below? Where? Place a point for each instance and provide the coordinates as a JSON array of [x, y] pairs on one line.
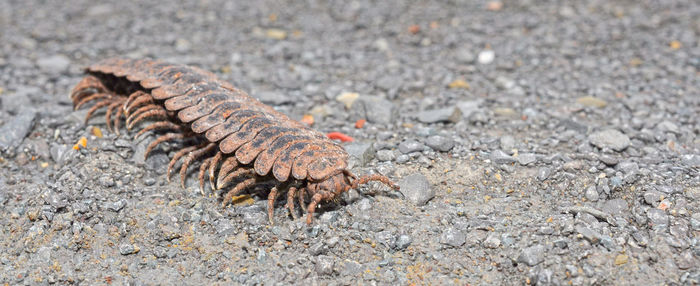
[[13, 132], [374, 109], [362, 152], [416, 189], [403, 158], [273, 98], [492, 241], [324, 265], [526, 158], [450, 114], [532, 255], [543, 173], [106, 181], [440, 143], [385, 155], [657, 218], [507, 142], [403, 242], [127, 248], [117, 206], [500, 157], [410, 146], [465, 56], [592, 194], [149, 181], [453, 237], [610, 139], [615, 207], [53, 65]]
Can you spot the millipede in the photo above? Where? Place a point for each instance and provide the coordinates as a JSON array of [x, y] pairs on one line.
[[237, 141]]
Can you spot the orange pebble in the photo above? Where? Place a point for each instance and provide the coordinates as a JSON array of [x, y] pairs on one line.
[[307, 119], [340, 136], [360, 123], [414, 29]]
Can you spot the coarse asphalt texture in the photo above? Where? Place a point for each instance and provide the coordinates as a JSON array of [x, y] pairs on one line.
[[536, 143]]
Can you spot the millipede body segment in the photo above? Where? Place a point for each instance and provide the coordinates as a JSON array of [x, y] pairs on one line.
[[237, 141]]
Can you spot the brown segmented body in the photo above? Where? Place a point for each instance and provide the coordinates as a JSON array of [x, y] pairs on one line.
[[246, 141]]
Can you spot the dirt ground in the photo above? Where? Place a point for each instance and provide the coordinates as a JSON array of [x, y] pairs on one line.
[[535, 143]]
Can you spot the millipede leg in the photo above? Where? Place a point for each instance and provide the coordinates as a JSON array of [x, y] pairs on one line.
[[144, 98], [203, 150], [176, 157], [222, 181], [148, 114], [374, 177], [131, 98], [91, 97], [212, 168], [139, 111], [160, 125], [161, 139], [118, 119], [202, 172], [302, 204], [88, 85], [237, 189], [229, 164], [110, 110], [271, 204], [290, 202], [312, 207], [95, 107]]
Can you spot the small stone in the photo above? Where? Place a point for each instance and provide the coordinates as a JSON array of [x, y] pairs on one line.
[[363, 152], [453, 237], [486, 57], [543, 173], [53, 65], [532, 255], [507, 142], [500, 157], [691, 160], [273, 98], [13, 132], [149, 181], [410, 146], [450, 114], [492, 241], [526, 158], [316, 248], [505, 112], [373, 109], [403, 242], [621, 259], [653, 198], [347, 98], [609, 160], [611, 139], [465, 56], [591, 101], [126, 249], [591, 194], [416, 189], [324, 265], [117, 206], [385, 155], [468, 107], [573, 165], [668, 126], [440, 143], [403, 158], [615, 207], [106, 181], [389, 82], [589, 234], [657, 218]]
